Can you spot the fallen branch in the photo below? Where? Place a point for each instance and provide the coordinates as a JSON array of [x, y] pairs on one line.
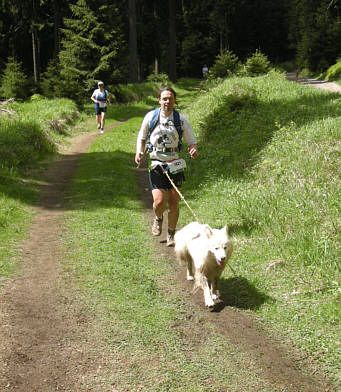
[[5, 103]]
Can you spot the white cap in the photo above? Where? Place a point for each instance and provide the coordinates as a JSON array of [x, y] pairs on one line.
[[100, 82]]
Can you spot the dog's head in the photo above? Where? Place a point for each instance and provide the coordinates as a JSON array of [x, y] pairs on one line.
[[219, 244]]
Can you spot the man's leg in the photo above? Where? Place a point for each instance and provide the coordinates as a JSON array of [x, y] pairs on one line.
[[173, 211], [102, 120], [173, 215], [98, 120], [159, 206], [159, 202]]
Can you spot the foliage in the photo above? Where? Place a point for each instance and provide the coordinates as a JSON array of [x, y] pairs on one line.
[[333, 72], [315, 32], [90, 49], [226, 64], [14, 81], [30, 133], [161, 78], [50, 84], [257, 64]]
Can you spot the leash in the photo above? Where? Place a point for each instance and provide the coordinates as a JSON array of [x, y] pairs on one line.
[[179, 193], [183, 199]]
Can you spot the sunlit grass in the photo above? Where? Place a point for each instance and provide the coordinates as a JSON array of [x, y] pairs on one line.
[[111, 253], [270, 168]]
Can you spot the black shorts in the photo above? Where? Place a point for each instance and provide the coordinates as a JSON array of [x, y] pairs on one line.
[[99, 110], [159, 180]]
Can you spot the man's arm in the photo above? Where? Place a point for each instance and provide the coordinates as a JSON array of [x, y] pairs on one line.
[[140, 145], [93, 97], [108, 98]]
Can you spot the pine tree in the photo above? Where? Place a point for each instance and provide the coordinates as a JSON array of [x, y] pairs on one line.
[[14, 81], [90, 47]]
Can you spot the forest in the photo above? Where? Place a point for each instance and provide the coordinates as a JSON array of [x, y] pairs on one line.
[[57, 46]]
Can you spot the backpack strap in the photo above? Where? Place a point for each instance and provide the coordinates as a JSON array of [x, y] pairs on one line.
[[154, 121], [177, 123]]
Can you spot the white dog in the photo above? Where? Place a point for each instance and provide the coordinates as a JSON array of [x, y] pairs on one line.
[[207, 251]]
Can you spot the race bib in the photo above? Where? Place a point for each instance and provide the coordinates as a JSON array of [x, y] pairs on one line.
[[176, 166], [102, 104]]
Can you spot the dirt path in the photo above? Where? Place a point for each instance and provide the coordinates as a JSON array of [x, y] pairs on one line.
[[45, 345], [47, 339], [328, 86]]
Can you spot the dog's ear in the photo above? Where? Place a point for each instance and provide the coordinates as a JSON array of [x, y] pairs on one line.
[[226, 228], [208, 230]]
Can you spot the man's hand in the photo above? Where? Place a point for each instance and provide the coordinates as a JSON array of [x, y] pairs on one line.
[[138, 156], [193, 150]]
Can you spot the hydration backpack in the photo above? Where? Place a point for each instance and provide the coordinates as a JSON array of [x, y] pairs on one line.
[[156, 118]]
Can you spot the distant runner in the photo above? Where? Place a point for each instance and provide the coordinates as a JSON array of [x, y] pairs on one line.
[[204, 71], [100, 97]]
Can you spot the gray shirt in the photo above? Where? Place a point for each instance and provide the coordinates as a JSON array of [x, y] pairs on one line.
[[165, 135]]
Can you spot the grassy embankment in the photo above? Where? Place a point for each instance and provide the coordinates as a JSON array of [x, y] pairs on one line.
[[269, 167], [29, 132]]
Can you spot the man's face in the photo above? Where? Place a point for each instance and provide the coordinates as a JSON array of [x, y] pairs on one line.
[[167, 101]]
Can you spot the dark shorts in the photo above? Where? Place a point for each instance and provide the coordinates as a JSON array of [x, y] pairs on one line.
[[159, 180], [99, 110]]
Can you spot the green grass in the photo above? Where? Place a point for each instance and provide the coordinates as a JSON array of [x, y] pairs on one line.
[[31, 133], [15, 216], [111, 254], [270, 168]]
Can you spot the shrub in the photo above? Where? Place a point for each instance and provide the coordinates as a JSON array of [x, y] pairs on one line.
[[14, 81], [334, 72], [50, 81], [161, 78], [226, 64], [36, 97], [257, 64]]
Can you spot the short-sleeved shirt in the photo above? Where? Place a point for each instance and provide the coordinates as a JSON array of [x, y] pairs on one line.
[[165, 135], [101, 97]]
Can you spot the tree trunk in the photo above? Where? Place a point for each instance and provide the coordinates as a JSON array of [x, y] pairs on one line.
[[172, 41], [133, 70], [34, 53], [56, 17]]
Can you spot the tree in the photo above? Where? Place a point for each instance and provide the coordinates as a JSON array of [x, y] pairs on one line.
[[133, 72], [14, 80], [315, 33], [172, 41], [90, 47]]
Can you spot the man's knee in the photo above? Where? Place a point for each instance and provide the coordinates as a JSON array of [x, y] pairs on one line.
[[159, 197]]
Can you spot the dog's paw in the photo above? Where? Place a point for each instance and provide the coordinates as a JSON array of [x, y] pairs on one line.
[[210, 304], [190, 277]]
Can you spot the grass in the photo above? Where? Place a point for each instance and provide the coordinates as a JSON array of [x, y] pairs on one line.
[[111, 253], [269, 167], [30, 133]]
